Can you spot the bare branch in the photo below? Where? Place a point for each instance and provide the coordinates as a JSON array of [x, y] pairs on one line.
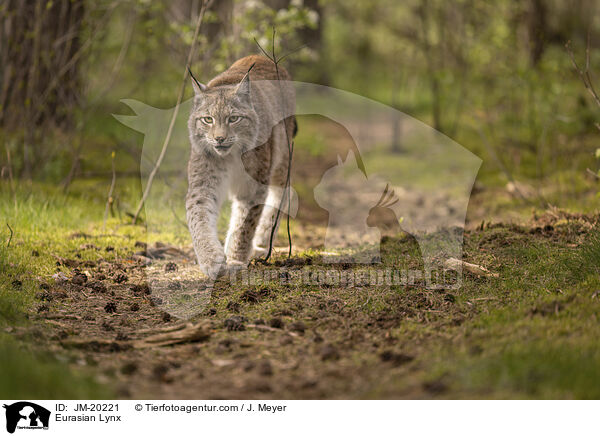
[[290, 144], [584, 74]]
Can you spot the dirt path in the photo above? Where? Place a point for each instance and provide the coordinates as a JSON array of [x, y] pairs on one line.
[[277, 341]]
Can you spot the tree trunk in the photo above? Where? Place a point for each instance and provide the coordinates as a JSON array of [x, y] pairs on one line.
[[38, 86]]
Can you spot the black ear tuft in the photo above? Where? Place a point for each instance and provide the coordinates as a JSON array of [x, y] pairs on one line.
[[199, 88], [243, 88]]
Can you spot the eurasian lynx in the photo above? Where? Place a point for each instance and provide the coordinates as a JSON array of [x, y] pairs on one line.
[[239, 148]]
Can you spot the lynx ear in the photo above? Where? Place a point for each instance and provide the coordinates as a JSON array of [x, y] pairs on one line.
[[243, 88], [199, 88]]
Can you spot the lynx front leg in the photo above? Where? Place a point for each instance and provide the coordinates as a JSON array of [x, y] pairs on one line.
[[203, 203], [245, 216]]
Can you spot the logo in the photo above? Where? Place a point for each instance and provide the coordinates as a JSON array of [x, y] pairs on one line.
[[26, 415]]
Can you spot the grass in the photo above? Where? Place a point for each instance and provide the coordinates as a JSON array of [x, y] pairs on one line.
[[43, 220]]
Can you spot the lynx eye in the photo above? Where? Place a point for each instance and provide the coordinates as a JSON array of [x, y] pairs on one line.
[[207, 120], [233, 119]]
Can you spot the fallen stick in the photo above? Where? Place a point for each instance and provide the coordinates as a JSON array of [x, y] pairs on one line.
[[478, 270], [187, 333]]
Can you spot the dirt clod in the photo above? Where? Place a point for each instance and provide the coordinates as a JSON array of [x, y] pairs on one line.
[[297, 326], [265, 368], [120, 278], [79, 279], [97, 286], [276, 323], [435, 387], [129, 368], [396, 359], [235, 323], [171, 267], [233, 306], [329, 352], [110, 307], [134, 307], [142, 289], [449, 298]]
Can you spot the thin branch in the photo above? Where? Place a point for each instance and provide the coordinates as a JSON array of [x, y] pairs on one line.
[[205, 5], [109, 199], [290, 144], [584, 74], [11, 235], [10, 175], [593, 173]]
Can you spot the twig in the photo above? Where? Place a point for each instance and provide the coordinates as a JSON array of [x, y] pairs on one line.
[[109, 200], [11, 235], [593, 173], [205, 5], [10, 175], [290, 145], [585, 73]]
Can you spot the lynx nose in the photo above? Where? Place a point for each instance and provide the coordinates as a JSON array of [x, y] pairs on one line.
[[220, 139]]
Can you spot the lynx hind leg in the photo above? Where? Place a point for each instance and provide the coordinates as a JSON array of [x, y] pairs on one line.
[[267, 219], [266, 223]]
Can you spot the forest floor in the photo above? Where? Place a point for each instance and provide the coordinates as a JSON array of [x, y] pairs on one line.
[[78, 318], [82, 310]]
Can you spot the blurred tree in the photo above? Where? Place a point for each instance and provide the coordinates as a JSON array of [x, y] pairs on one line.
[[39, 46]]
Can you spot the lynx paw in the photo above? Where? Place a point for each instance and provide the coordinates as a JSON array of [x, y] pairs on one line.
[[233, 267], [259, 252]]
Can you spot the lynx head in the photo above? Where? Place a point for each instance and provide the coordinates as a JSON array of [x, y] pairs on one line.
[[223, 118]]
